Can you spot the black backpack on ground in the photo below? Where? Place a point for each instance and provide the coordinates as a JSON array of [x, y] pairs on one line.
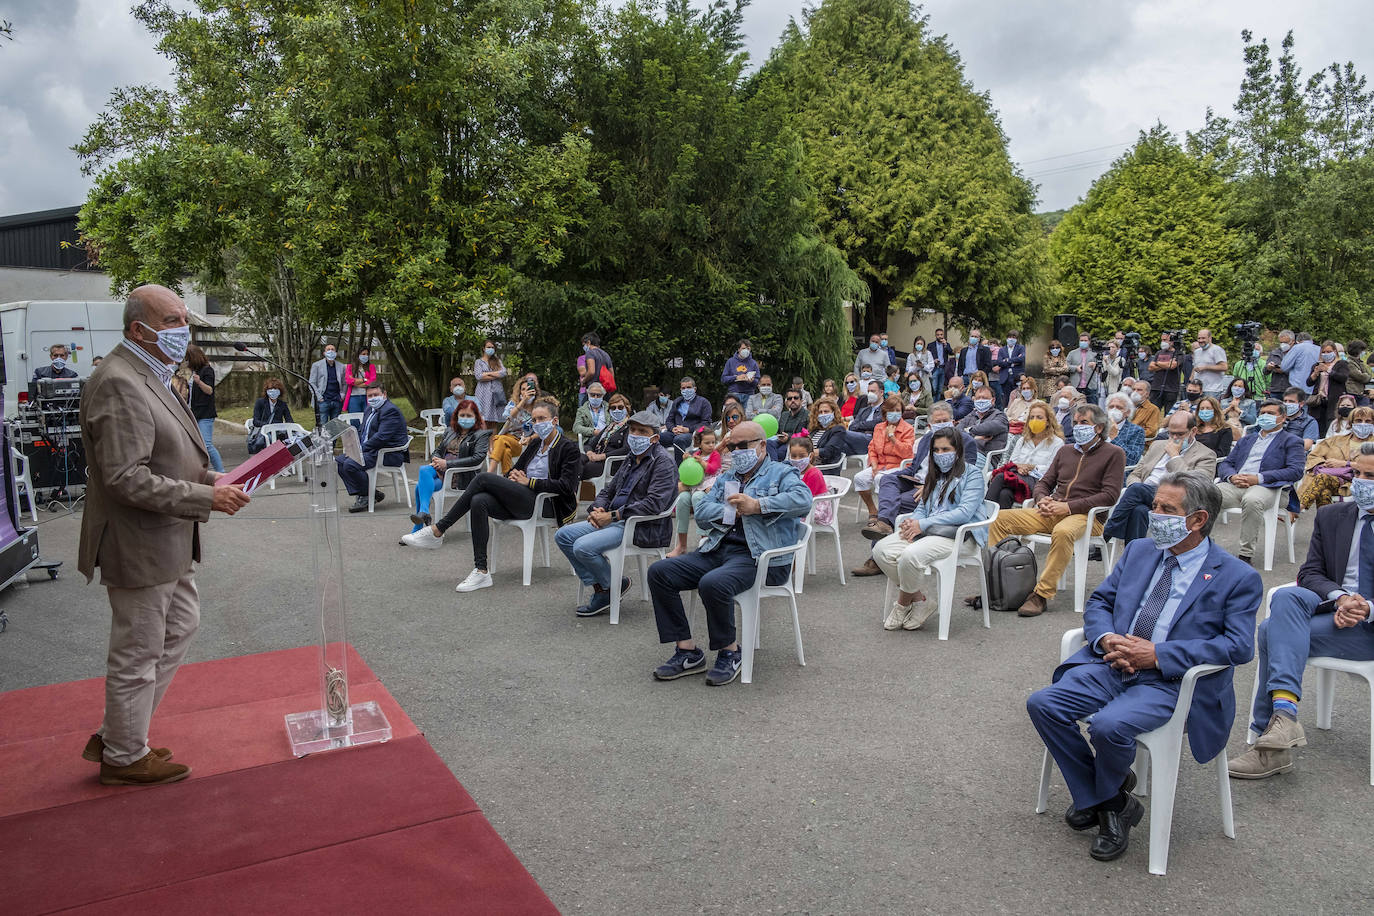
[[1012, 573]]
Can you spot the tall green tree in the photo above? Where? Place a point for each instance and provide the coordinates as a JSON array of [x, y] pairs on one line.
[[359, 161], [1148, 248], [702, 228], [911, 168]]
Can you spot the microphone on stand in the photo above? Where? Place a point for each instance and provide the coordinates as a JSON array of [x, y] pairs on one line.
[[242, 347]]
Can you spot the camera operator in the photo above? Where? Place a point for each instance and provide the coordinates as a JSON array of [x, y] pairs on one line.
[[1168, 367], [1251, 367], [1209, 364], [1084, 369]]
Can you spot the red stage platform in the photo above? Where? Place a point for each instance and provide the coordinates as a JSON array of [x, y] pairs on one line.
[[253, 829]]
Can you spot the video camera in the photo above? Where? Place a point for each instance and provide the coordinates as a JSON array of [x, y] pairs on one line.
[[1130, 350], [1177, 336], [1248, 333]]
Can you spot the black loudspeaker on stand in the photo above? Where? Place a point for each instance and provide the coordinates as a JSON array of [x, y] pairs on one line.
[[1066, 330]]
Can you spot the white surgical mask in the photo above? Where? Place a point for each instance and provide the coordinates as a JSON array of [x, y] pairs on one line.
[[744, 353], [330, 354], [1238, 391], [1137, 398], [543, 428], [850, 386], [459, 391], [981, 404], [1063, 403], [1027, 394], [1117, 414], [943, 424], [873, 397], [1362, 430], [59, 363], [173, 341], [765, 390]]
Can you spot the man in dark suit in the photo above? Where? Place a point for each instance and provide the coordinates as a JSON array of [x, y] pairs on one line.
[[1010, 365], [1260, 463], [975, 357], [943, 354], [688, 413], [58, 368], [1172, 602], [382, 427], [1327, 613]]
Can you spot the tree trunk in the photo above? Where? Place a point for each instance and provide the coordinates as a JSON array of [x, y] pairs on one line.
[[875, 316]]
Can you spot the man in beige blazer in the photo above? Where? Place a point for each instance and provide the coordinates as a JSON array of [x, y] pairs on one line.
[[1179, 452], [148, 487]]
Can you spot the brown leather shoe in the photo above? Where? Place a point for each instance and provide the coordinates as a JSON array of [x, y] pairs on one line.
[[1034, 606], [95, 750], [868, 569], [876, 530], [148, 770]]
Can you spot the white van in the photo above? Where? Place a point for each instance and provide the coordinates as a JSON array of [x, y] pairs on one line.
[[28, 329]]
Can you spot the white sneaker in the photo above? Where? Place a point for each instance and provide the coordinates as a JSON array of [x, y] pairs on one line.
[[423, 538], [475, 580], [920, 613], [896, 616]]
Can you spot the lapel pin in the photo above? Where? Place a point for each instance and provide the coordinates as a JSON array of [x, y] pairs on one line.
[[1206, 577]]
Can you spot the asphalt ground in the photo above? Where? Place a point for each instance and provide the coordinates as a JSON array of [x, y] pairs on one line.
[[891, 774]]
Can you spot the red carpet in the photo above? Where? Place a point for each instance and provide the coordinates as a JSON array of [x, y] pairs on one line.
[[253, 829]]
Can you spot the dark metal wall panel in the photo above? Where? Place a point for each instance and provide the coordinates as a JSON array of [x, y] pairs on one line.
[[40, 245]]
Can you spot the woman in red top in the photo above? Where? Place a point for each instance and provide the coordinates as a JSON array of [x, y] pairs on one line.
[[849, 398]]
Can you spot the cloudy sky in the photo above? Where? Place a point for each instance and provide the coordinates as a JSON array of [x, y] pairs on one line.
[[1074, 80]]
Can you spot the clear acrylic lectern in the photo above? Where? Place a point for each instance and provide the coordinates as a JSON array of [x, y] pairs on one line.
[[337, 723]]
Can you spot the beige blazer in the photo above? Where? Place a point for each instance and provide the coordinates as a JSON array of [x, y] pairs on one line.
[[1198, 458], [147, 477]]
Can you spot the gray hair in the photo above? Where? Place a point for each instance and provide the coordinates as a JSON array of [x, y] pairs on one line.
[[1200, 494], [1367, 448], [134, 307], [1124, 399], [945, 407], [1099, 416], [1286, 333]]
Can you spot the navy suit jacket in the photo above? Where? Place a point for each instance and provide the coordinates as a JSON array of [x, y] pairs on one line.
[[983, 361], [1215, 625], [962, 406], [1282, 463], [698, 413], [388, 430], [1011, 364], [1328, 551]]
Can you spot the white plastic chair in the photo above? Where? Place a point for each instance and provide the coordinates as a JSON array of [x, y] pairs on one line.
[[400, 480], [23, 481], [434, 427], [1274, 514], [1325, 688], [1086, 541], [838, 488], [356, 417], [1163, 746], [529, 529], [966, 553], [877, 479], [617, 556], [750, 600], [285, 432]]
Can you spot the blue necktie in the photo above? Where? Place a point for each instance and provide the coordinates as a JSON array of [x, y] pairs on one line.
[[1154, 604], [1366, 564]]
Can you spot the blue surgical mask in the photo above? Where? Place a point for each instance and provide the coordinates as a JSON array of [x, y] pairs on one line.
[[543, 428], [273, 393], [973, 341], [1290, 408], [943, 424], [825, 419], [893, 417], [618, 414], [490, 351], [873, 345], [363, 359], [800, 464], [1206, 413], [459, 391], [1266, 421], [639, 444], [743, 460], [883, 342], [586, 348], [1084, 433], [1011, 341], [594, 403], [918, 348], [982, 404], [1082, 345], [850, 386], [1054, 351], [1238, 391], [1027, 394], [944, 461], [328, 354], [1167, 530], [1362, 430], [1362, 491], [467, 422], [688, 393], [914, 385], [663, 399], [1328, 357], [375, 401]]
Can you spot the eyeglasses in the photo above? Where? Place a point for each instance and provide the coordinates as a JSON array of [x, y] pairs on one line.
[[793, 397], [736, 446]]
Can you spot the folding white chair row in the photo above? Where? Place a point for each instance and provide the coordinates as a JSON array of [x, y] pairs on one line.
[[285, 432], [1079, 565]]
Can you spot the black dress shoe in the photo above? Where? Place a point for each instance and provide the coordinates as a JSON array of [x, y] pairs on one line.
[[1114, 830], [377, 496], [1082, 820]]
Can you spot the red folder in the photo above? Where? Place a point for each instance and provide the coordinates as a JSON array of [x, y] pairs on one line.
[[260, 468]]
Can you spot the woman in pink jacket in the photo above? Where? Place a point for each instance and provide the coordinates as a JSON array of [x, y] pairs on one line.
[[359, 374]]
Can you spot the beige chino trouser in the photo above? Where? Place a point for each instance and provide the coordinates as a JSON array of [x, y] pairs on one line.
[[1063, 532]]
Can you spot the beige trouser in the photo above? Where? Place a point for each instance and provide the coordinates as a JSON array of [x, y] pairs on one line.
[[1063, 533], [908, 562], [1252, 502], [150, 630]]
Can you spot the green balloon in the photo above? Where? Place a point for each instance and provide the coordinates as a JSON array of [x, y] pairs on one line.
[[769, 424], [690, 472]]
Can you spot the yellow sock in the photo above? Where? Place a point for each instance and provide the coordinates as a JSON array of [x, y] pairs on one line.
[[1288, 695]]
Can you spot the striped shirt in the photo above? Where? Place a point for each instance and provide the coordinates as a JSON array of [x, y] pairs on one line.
[[160, 369]]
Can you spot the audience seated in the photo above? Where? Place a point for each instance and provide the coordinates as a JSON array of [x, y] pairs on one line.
[[269, 409], [892, 443], [593, 415], [550, 463], [610, 439], [851, 396], [514, 434], [799, 456], [829, 438], [457, 391], [1330, 464], [1087, 474], [1145, 414], [658, 408], [705, 448], [959, 402], [1260, 463], [1028, 459], [382, 427], [1296, 418], [986, 423], [1019, 402], [1065, 400], [1212, 430], [916, 399], [687, 414], [866, 418], [1121, 432], [464, 448], [952, 495], [1145, 627], [644, 484], [1327, 613], [792, 421], [1241, 408], [757, 504], [764, 400], [1180, 451]]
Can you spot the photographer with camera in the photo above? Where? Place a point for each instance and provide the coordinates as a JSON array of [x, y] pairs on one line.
[[1209, 364], [1169, 367], [1251, 367]]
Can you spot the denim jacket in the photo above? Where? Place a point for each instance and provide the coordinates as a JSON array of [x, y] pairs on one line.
[[962, 504], [784, 499]]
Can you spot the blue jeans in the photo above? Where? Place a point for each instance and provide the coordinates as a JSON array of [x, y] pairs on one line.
[[207, 434], [585, 546], [328, 410], [1131, 517], [1292, 634]]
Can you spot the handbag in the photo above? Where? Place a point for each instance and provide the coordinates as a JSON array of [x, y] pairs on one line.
[[940, 531]]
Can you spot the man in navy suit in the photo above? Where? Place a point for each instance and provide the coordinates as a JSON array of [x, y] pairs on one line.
[[1010, 365], [1327, 613], [974, 357], [943, 354], [687, 414], [382, 427], [1172, 602], [1262, 462]]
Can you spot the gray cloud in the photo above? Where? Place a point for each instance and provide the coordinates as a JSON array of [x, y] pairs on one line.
[[1067, 77]]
